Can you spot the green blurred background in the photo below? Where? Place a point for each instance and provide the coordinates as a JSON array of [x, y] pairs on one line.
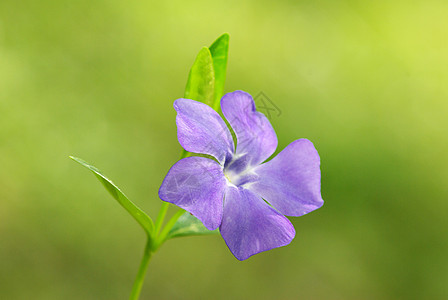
[[366, 81]]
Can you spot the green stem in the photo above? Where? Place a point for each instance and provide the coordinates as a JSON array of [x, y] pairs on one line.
[[162, 237], [160, 218], [138, 283], [154, 241]]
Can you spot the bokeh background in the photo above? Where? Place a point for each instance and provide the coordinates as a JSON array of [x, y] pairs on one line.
[[366, 81]]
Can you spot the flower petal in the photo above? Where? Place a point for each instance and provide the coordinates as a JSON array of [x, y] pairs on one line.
[[200, 129], [197, 185], [256, 137], [290, 182], [250, 226]]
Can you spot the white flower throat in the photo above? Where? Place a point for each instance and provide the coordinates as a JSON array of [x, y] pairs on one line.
[[239, 172]]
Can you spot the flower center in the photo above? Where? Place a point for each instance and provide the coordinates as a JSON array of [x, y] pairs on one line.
[[231, 177], [240, 177]]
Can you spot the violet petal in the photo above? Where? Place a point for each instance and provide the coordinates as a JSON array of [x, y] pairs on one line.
[[256, 137], [200, 129], [290, 182], [196, 184], [250, 226]]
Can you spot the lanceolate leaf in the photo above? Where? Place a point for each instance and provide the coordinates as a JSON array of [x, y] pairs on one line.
[[188, 225], [143, 219], [219, 51], [201, 80]]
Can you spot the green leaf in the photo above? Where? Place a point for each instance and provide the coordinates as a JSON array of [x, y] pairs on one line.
[[219, 51], [188, 225], [201, 80], [143, 219]]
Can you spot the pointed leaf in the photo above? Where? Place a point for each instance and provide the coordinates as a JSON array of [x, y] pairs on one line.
[[143, 219], [219, 51], [188, 225], [201, 80]]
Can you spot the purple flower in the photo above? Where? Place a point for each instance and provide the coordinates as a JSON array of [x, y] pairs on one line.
[[231, 192]]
